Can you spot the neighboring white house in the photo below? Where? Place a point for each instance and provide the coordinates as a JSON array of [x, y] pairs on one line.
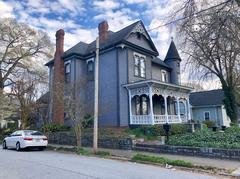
[[208, 105]]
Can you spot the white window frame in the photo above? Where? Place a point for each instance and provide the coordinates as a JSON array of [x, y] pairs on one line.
[[67, 73], [69, 68], [164, 75], [208, 115], [141, 65]]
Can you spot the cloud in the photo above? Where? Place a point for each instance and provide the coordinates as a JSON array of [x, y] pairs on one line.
[[6, 10], [106, 5]]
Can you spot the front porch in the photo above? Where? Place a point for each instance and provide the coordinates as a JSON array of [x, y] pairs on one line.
[[153, 102]]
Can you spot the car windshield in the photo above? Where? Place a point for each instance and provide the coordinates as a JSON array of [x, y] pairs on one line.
[[32, 133]]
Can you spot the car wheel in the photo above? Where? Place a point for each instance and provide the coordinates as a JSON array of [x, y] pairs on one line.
[[18, 146], [4, 145]]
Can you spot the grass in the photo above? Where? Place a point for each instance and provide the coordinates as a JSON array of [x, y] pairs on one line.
[[160, 160], [102, 153]]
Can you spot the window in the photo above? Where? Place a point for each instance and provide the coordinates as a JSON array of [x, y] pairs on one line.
[[207, 115], [179, 78], [164, 76], [67, 72], [141, 103], [90, 66], [90, 69], [139, 65]]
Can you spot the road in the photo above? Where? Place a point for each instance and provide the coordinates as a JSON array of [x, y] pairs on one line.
[[55, 165]]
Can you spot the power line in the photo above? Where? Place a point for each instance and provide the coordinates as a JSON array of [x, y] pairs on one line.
[[194, 14]]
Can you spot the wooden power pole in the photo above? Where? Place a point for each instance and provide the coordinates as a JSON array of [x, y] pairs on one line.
[[95, 129]]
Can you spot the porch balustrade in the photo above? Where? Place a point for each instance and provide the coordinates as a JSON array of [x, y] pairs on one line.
[[157, 119], [141, 119]]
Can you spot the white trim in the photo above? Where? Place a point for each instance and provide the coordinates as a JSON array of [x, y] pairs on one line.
[[158, 82], [164, 72], [90, 59]]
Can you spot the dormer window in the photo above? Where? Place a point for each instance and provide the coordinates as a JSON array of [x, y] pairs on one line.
[[164, 76], [67, 72], [139, 65]]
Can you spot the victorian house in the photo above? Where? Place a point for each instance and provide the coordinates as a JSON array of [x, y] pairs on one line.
[[135, 86]]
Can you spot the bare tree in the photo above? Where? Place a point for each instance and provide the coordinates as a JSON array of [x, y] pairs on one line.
[[26, 90], [7, 106], [20, 47], [75, 105], [212, 43]]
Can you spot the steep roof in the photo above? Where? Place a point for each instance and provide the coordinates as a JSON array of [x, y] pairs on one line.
[[160, 62], [172, 52], [206, 98], [114, 38]]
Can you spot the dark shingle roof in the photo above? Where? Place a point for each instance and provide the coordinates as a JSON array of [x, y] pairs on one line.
[[113, 38], [84, 49], [206, 98], [160, 62], [80, 48], [172, 52]]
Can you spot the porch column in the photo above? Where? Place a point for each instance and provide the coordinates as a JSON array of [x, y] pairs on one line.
[[189, 112], [165, 104], [151, 104], [178, 111], [130, 104]]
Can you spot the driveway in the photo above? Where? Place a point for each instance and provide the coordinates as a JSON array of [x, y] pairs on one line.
[[51, 165]]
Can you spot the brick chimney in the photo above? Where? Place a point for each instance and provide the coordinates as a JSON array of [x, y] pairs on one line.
[[58, 79], [103, 31]]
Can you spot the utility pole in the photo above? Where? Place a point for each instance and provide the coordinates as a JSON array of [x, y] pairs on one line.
[[95, 128]]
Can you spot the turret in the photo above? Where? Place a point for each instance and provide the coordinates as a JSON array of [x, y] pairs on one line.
[[173, 60]]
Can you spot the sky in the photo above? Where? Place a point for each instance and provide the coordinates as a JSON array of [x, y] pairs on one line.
[[80, 18]]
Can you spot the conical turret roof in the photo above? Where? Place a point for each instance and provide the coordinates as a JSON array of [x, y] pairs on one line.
[[172, 52]]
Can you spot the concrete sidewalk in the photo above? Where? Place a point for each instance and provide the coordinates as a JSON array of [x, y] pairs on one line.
[[218, 163]]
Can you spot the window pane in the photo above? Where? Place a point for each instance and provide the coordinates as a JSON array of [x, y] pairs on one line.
[[164, 76], [137, 102], [206, 115], [136, 65], [144, 105], [67, 68], [142, 67], [90, 66]]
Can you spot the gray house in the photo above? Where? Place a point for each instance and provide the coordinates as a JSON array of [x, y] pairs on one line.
[[208, 105], [135, 86]]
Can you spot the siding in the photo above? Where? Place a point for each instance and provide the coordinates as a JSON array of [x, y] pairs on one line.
[[142, 42], [123, 94], [217, 114], [157, 74], [108, 106]]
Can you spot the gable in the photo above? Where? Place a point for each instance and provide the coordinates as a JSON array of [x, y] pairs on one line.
[[140, 37]]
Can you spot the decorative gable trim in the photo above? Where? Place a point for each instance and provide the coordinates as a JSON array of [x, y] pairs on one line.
[[140, 29]]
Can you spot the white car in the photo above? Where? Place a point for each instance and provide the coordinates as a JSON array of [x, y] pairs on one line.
[[25, 139]]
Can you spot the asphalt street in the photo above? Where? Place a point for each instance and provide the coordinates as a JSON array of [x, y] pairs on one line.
[[55, 165]]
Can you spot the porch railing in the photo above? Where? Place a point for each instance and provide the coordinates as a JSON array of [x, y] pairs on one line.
[[141, 119], [160, 119], [157, 119]]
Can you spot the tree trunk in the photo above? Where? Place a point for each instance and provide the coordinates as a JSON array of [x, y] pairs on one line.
[[77, 130], [230, 102]]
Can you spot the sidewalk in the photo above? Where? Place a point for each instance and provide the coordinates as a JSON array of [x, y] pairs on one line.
[[218, 163]]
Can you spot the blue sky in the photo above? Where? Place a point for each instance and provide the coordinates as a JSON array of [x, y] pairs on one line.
[[79, 18]]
